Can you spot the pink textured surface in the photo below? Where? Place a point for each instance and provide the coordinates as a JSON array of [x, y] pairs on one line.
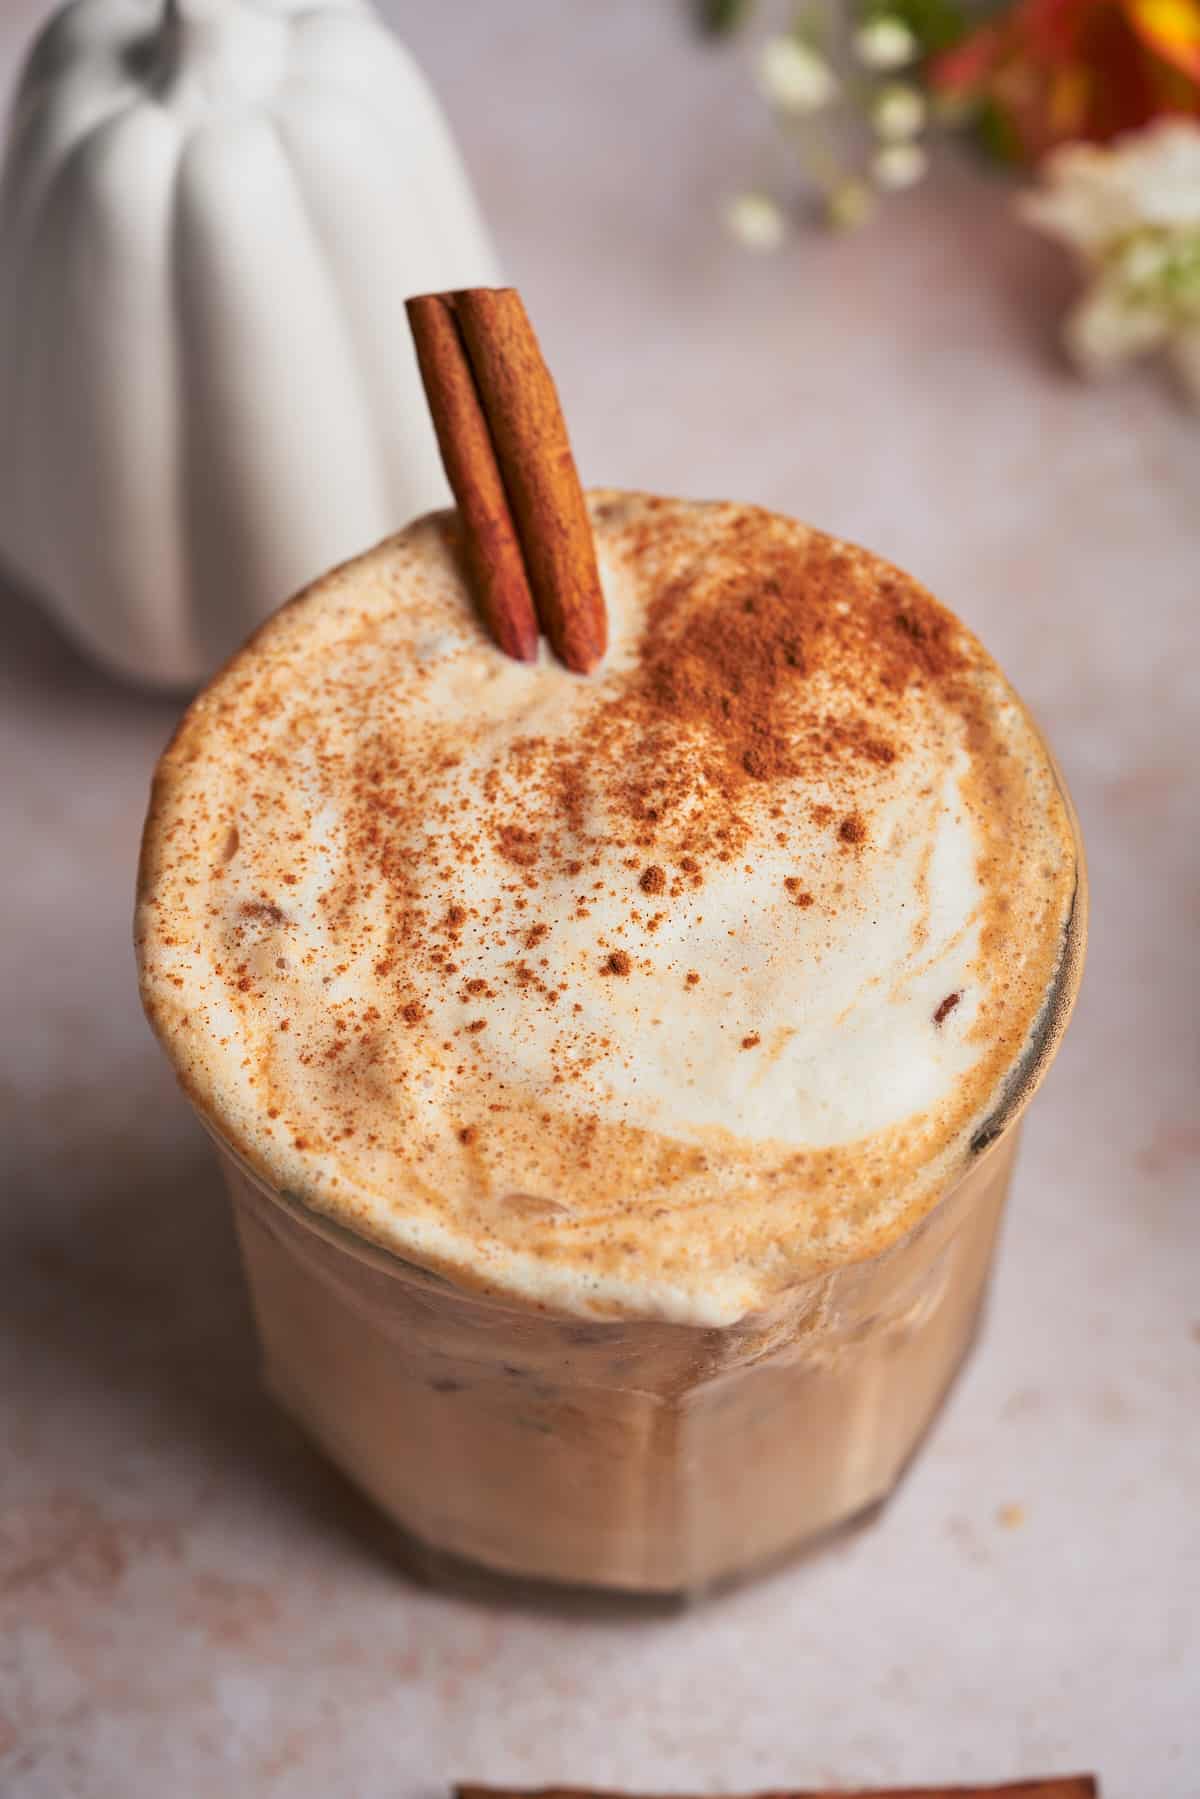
[[189, 1602]]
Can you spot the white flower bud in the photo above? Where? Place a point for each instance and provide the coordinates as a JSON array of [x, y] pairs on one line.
[[899, 112], [899, 165], [793, 77], [885, 43], [756, 221]]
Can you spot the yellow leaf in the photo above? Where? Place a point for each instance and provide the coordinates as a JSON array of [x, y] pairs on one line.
[[1171, 27]]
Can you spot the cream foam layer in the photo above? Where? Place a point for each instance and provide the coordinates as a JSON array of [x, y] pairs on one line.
[[655, 991]]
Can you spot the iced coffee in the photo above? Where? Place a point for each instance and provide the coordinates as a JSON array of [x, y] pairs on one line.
[[618, 1077]]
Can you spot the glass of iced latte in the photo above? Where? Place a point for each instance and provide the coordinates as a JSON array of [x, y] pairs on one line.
[[617, 1078]]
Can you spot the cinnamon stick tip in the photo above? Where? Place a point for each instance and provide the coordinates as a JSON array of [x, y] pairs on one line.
[[416, 304]]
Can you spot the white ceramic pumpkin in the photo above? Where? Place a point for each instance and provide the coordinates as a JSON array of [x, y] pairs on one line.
[[212, 212]]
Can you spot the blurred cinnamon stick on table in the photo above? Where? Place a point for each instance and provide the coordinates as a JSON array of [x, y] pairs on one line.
[[1067, 1786]]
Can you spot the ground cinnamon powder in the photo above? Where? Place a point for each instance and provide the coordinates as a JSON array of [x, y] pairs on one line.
[[750, 671], [770, 665]]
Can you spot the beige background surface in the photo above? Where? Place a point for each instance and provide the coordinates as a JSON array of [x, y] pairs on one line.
[[189, 1602]]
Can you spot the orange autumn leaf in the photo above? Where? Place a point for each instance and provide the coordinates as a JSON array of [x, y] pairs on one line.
[[1049, 72]]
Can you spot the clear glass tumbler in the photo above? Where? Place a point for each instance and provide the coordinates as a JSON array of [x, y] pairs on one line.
[[650, 1457], [639, 1455]]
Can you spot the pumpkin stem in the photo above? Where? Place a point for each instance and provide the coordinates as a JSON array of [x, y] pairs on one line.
[[197, 12], [214, 52], [192, 24]]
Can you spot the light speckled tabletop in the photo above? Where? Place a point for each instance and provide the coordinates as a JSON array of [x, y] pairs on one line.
[[189, 1602]]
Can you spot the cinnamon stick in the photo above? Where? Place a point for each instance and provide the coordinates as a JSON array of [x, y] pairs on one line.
[[1070, 1786], [495, 565], [534, 453], [501, 369]]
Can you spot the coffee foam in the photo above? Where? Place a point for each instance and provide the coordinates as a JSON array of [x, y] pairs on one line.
[[656, 991]]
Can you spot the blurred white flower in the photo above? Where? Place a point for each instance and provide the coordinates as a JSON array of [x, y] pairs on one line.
[[898, 112], [1095, 196], [885, 43], [899, 165], [793, 77], [1131, 213], [756, 221]]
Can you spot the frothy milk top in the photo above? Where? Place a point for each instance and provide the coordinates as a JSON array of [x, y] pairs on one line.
[[652, 991]]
